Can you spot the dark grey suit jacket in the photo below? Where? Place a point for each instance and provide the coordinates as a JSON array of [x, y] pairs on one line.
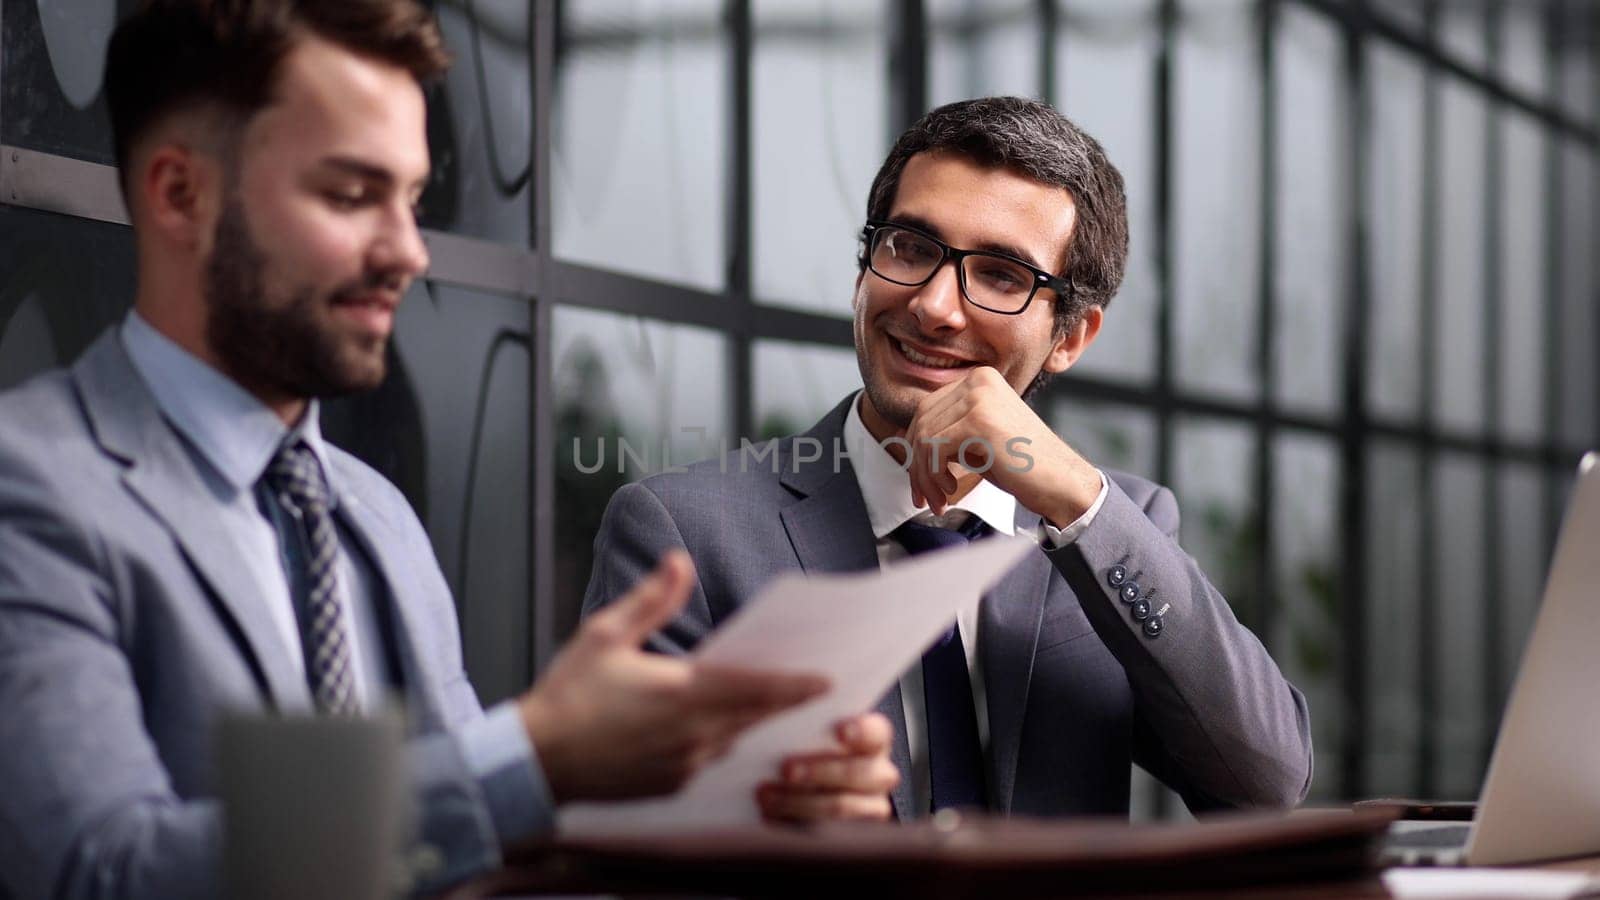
[[1075, 688], [127, 626]]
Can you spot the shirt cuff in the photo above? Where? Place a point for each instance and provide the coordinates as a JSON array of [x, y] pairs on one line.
[[506, 767], [1060, 537]]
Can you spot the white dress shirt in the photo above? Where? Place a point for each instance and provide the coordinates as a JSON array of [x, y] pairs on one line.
[[886, 489]]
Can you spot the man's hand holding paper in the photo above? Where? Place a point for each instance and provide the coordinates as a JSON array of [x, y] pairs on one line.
[[852, 782], [860, 631]]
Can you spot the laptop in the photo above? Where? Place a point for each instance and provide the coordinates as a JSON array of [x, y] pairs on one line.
[[1541, 797]]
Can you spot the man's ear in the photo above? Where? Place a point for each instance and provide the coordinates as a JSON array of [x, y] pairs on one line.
[[179, 194], [1071, 344]]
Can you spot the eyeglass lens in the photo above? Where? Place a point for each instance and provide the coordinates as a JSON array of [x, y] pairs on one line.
[[992, 282]]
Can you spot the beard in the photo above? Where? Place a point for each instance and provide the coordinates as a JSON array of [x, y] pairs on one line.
[[280, 347], [892, 405]]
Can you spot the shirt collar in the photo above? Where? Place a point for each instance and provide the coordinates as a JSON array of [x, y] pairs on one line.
[[886, 488], [232, 430]]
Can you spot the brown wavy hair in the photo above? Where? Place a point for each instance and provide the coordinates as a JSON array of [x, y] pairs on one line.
[[224, 55]]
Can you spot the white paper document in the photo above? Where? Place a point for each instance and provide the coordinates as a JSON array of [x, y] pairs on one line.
[[1463, 884], [860, 630]]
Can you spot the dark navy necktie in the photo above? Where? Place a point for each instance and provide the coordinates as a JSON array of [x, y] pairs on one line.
[[955, 756], [296, 476]]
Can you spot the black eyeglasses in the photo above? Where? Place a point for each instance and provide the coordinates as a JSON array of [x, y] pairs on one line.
[[990, 281]]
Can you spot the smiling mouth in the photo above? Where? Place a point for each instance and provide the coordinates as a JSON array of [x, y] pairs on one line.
[[924, 359], [380, 301]]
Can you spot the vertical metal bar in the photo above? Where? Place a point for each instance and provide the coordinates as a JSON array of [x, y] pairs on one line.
[[1554, 260], [738, 239], [5, 158], [1594, 200], [3, 162], [1427, 564], [1165, 239], [1268, 12], [1494, 243], [1355, 432], [908, 58], [543, 37], [1049, 34]]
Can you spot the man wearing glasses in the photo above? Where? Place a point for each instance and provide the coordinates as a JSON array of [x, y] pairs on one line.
[[996, 234]]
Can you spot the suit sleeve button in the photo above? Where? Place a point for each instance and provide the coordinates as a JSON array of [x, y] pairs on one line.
[[1141, 609], [1117, 575], [1129, 592], [1152, 626]]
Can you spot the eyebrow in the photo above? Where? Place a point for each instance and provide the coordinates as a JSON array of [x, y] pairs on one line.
[[352, 166], [1011, 250]]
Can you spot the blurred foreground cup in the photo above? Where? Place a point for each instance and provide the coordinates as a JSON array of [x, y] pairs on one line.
[[313, 807]]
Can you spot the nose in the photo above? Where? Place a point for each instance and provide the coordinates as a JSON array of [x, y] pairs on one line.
[[400, 248], [938, 305]]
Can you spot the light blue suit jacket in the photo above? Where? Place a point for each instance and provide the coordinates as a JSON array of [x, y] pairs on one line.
[[1076, 689], [128, 625]]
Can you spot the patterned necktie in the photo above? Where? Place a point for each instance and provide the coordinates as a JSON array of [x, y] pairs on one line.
[[295, 476], [955, 756]]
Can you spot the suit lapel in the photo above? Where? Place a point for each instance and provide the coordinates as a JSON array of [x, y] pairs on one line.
[[1008, 632], [160, 472], [829, 529], [828, 525], [395, 580], [829, 532]]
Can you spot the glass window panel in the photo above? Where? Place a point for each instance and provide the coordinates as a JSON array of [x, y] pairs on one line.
[[639, 171], [981, 48], [65, 280], [1461, 32], [1214, 480], [1580, 297], [1458, 375], [1524, 561], [480, 125], [1217, 202], [27, 345], [1561, 481], [632, 397], [1575, 62], [1522, 285], [1393, 626], [450, 427], [1148, 797], [1105, 60], [797, 384], [52, 63], [1406, 13], [1310, 287], [820, 133], [1110, 435], [1394, 196], [1306, 637], [1458, 626], [1522, 48]]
